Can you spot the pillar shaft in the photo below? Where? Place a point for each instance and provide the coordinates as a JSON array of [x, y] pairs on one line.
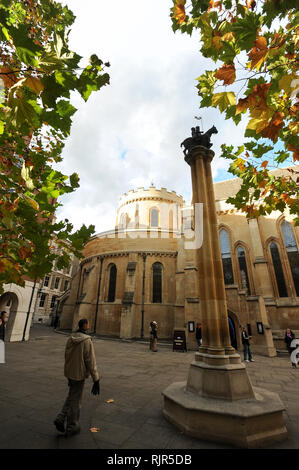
[[216, 339]]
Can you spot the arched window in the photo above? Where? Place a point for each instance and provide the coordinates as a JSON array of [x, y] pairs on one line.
[[292, 252], [154, 218], [123, 221], [243, 268], [112, 283], [157, 283], [281, 285], [170, 225], [226, 257]]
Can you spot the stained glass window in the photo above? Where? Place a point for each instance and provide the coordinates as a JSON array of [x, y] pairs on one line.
[[112, 283], [281, 285], [226, 257]]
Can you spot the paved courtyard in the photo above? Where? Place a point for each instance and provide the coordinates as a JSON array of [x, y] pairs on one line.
[[32, 390]]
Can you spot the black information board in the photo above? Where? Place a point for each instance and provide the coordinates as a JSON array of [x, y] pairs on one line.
[[179, 340]]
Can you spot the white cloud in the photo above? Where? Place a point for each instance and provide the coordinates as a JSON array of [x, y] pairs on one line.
[[129, 133]]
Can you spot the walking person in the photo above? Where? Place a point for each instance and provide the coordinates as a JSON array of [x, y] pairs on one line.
[[289, 336], [153, 336], [246, 345], [80, 363], [3, 317], [198, 334]]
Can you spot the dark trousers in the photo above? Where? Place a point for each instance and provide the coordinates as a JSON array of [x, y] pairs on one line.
[[72, 405], [247, 351]]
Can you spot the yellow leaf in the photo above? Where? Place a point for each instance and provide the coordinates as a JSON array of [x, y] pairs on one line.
[[94, 429], [111, 400], [31, 202], [34, 84], [228, 37], [286, 84], [179, 11], [224, 100], [257, 124], [217, 42]]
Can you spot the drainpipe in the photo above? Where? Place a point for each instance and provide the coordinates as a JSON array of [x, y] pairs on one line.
[[143, 289], [29, 308], [98, 295], [79, 285]]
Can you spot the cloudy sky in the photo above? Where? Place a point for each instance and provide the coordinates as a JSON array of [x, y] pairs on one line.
[[128, 134]]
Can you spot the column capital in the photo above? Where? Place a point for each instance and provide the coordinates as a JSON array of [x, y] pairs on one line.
[[199, 152]]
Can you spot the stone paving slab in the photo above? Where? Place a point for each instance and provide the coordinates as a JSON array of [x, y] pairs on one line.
[[33, 389]]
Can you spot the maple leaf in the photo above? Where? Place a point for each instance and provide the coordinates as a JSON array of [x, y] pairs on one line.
[[179, 11], [258, 53], [295, 151], [251, 4], [227, 73], [34, 84], [24, 252], [8, 77], [276, 123]]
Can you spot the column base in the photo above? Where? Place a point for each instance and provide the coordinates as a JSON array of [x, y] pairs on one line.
[[251, 423]]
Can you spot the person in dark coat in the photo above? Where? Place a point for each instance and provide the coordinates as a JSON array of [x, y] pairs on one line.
[[246, 345], [198, 334], [289, 336], [153, 336], [3, 316], [232, 334]]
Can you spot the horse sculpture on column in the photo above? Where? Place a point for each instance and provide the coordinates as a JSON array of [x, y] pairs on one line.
[[198, 138]]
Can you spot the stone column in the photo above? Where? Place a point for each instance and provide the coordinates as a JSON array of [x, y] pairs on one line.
[[218, 401], [264, 290]]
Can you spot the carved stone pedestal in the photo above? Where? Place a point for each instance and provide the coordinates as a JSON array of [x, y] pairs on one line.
[[219, 404], [249, 423]]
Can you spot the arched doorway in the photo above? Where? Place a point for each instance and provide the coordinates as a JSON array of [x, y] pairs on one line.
[[232, 330], [9, 303]]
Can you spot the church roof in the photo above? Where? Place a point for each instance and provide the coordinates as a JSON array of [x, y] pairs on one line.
[[225, 189]]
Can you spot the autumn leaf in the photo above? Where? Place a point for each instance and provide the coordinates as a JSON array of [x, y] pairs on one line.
[[8, 77], [94, 429], [295, 151], [24, 252], [258, 53], [217, 42], [272, 130], [251, 4], [179, 11], [223, 100], [34, 84], [227, 73], [264, 164], [111, 400]]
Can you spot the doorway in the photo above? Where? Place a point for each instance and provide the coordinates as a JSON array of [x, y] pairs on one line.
[[232, 332]]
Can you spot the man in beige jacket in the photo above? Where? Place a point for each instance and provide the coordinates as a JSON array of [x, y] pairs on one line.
[[80, 363]]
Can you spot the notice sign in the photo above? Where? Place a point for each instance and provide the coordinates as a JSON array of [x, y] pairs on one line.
[[179, 340]]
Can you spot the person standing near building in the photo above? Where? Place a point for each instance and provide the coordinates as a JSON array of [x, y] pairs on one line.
[[246, 345], [198, 334], [289, 336], [3, 316], [80, 363], [153, 336]]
